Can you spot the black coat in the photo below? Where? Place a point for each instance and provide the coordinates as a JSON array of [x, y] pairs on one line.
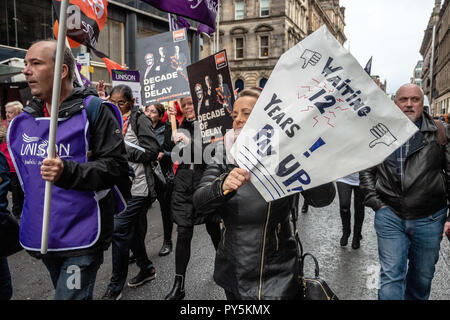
[[187, 176], [257, 255], [425, 188]]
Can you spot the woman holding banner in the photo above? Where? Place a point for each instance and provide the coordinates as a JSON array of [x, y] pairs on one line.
[[186, 144], [257, 256]]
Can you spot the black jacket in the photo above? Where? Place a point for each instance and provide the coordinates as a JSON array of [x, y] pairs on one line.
[[107, 166], [426, 177], [187, 176], [258, 256], [166, 161]]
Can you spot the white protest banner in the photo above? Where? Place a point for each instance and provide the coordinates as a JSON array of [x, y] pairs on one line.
[[320, 117], [131, 79]]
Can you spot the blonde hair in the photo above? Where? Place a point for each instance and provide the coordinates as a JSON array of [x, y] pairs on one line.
[[254, 92], [17, 105]]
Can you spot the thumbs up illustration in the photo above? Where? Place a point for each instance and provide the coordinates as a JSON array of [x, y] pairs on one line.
[[382, 135], [310, 57]]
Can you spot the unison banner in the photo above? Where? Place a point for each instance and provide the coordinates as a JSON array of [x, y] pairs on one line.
[[163, 59], [320, 117], [131, 79]]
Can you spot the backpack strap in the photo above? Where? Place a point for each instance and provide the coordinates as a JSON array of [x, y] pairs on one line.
[[441, 135], [93, 104]]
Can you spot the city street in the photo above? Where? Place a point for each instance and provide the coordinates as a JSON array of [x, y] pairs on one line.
[[352, 274], [96, 93]]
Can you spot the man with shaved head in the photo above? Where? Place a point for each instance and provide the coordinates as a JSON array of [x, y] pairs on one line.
[[90, 161], [409, 193]]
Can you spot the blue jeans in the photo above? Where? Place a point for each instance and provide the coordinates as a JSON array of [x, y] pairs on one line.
[[130, 228], [401, 240], [74, 277], [5, 280]]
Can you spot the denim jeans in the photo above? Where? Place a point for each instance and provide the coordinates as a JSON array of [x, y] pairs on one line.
[[401, 240], [5, 280], [129, 234], [74, 277]]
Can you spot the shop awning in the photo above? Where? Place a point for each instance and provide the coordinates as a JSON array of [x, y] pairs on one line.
[[7, 72]]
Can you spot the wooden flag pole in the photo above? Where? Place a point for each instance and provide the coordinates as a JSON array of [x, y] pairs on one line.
[[173, 120], [54, 117]]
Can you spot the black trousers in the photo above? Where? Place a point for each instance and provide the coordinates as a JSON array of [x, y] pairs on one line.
[[183, 246], [345, 196], [164, 194], [17, 195], [129, 234]]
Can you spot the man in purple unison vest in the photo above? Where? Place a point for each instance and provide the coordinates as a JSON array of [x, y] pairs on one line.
[[90, 161]]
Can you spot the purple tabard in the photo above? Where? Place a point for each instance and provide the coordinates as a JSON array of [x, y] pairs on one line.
[[74, 215]]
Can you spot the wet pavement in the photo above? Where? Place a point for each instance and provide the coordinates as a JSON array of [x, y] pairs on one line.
[[352, 274]]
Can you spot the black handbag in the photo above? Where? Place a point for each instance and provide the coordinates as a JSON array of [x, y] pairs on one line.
[[309, 288], [313, 288], [157, 171], [9, 236], [320, 196]]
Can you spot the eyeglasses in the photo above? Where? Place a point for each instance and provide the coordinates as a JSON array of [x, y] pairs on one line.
[[120, 103]]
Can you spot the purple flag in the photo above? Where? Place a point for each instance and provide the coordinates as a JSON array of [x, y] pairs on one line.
[[180, 23], [368, 67], [203, 28], [203, 11], [85, 80], [177, 23]]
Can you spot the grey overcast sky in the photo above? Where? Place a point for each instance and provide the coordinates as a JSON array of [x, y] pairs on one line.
[[389, 30]]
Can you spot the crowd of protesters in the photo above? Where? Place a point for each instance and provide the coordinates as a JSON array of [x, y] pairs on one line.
[[129, 165]]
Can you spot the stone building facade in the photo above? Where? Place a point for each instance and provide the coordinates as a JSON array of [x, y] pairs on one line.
[[417, 74], [255, 33], [443, 60], [381, 85], [436, 60]]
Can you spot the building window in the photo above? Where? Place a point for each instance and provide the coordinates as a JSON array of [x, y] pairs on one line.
[[22, 22], [264, 8], [239, 48], [264, 46], [288, 9], [239, 85], [239, 10], [303, 19], [262, 82], [111, 41]]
